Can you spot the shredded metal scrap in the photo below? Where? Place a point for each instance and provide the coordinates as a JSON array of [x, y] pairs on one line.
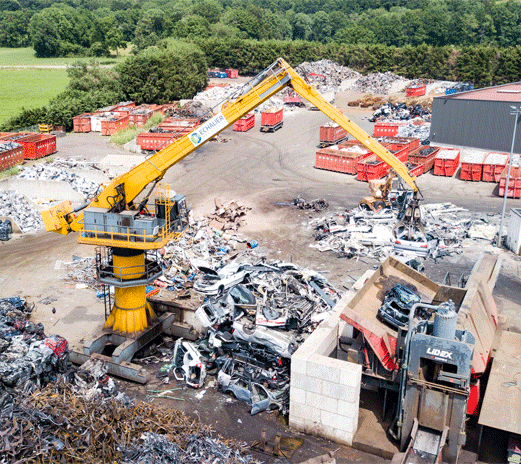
[[24, 214], [56, 425], [57, 171]]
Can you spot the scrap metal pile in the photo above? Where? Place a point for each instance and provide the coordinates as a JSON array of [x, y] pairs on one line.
[[390, 112], [28, 358], [358, 233], [326, 74], [193, 109], [23, 213], [51, 412], [381, 83], [7, 146], [255, 313], [55, 171], [57, 425]]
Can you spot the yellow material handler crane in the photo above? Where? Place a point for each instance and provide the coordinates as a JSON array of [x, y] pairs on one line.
[[121, 222]]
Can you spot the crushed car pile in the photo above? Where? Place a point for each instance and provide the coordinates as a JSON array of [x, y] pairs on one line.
[[359, 233], [256, 315]]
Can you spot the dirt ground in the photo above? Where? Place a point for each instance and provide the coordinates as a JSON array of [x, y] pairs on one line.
[[265, 171]]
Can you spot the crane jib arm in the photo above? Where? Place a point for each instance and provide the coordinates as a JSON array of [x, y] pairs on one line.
[[262, 87]]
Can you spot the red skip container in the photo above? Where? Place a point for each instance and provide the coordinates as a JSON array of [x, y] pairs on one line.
[[387, 128], [155, 140], [81, 123], [37, 146], [332, 133], [271, 117], [245, 123], [472, 166], [425, 156], [514, 185], [111, 125], [416, 91], [493, 166], [446, 162], [340, 159]]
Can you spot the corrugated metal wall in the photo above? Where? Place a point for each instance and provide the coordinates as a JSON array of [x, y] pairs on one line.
[[473, 123]]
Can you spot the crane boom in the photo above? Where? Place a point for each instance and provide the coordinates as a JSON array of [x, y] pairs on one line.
[[125, 188]]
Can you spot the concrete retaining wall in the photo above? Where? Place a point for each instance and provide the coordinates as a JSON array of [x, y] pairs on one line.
[[325, 391]]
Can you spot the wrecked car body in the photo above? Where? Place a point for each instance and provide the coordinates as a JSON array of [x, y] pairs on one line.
[[188, 364], [253, 393], [283, 344], [215, 282], [397, 305]]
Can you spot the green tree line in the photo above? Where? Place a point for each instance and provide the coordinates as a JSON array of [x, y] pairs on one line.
[[99, 27], [173, 70], [481, 65]]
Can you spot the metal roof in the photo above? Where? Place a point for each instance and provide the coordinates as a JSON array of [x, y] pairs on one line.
[[503, 93]]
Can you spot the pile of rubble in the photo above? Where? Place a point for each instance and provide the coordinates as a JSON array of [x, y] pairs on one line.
[[381, 83], [56, 171], [23, 213], [228, 216], [358, 233]]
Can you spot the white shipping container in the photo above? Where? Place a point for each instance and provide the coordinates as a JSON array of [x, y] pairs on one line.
[[514, 231]]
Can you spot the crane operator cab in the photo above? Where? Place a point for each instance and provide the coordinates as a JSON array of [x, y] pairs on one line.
[[170, 215]]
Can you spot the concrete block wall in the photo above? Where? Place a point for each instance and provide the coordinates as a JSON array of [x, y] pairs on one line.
[[324, 391]]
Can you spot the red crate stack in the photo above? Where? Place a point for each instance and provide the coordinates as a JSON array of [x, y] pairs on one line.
[[472, 166], [446, 162], [424, 155], [493, 166], [245, 123]]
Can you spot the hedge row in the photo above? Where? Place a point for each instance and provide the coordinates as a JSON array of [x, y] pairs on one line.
[[477, 64]]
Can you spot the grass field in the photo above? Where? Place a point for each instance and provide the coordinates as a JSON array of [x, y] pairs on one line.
[[26, 57], [28, 88], [33, 87]]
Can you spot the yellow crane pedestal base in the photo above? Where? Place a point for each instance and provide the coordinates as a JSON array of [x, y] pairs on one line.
[[132, 323], [131, 314]]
